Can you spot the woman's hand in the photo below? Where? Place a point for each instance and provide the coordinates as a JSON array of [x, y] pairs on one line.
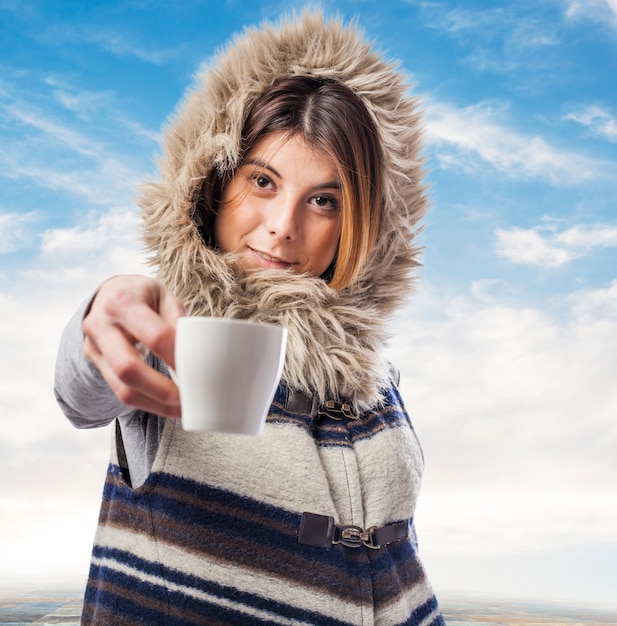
[[128, 315]]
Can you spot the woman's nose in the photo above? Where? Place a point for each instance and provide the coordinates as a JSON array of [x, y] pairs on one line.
[[282, 220]]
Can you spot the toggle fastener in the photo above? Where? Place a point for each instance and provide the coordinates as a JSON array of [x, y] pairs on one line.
[[320, 531], [338, 410], [354, 537]]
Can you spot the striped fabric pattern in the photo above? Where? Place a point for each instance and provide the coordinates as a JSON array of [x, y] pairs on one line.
[[212, 536]]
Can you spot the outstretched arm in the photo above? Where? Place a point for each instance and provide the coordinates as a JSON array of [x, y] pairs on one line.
[[101, 371]]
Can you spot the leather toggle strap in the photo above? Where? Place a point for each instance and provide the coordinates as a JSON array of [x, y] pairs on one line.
[[338, 410], [320, 531]]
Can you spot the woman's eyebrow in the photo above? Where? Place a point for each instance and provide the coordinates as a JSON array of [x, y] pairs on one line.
[[330, 185], [259, 163]]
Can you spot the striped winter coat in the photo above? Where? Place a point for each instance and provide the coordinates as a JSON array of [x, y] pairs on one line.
[[213, 536], [234, 530]]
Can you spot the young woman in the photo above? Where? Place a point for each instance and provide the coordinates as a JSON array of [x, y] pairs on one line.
[[289, 192]]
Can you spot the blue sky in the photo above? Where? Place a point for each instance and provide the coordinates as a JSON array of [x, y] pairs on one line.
[[507, 350]]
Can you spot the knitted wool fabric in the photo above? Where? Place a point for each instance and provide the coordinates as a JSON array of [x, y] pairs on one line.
[[212, 536]]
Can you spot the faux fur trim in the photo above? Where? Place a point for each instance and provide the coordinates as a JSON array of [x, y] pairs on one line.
[[336, 339]]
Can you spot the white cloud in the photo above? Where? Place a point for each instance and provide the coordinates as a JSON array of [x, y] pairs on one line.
[[601, 11], [530, 247], [120, 44], [600, 121], [499, 39], [56, 473], [98, 235], [36, 303], [588, 237], [460, 20], [81, 102], [102, 183], [94, 105], [16, 230], [515, 409], [591, 304], [483, 289], [84, 255], [544, 246], [98, 179], [60, 151], [468, 138], [58, 132], [478, 25]]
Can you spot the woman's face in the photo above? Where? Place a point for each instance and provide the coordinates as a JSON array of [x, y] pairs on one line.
[[282, 209]]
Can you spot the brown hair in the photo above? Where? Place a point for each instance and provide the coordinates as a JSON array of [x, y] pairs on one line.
[[332, 118]]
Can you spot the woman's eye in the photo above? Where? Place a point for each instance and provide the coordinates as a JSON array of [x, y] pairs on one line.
[[262, 181], [326, 202]]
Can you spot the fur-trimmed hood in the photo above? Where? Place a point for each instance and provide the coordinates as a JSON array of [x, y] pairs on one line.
[[336, 338]]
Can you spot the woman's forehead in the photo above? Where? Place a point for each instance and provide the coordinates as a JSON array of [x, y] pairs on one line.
[[279, 146]]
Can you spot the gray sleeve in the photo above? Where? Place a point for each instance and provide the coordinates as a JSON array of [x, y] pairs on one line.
[[82, 393], [88, 402], [137, 438]]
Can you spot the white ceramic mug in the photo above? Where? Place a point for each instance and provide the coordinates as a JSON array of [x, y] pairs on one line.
[[227, 371]]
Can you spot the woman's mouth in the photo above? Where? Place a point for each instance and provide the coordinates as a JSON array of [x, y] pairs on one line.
[[266, 260]]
